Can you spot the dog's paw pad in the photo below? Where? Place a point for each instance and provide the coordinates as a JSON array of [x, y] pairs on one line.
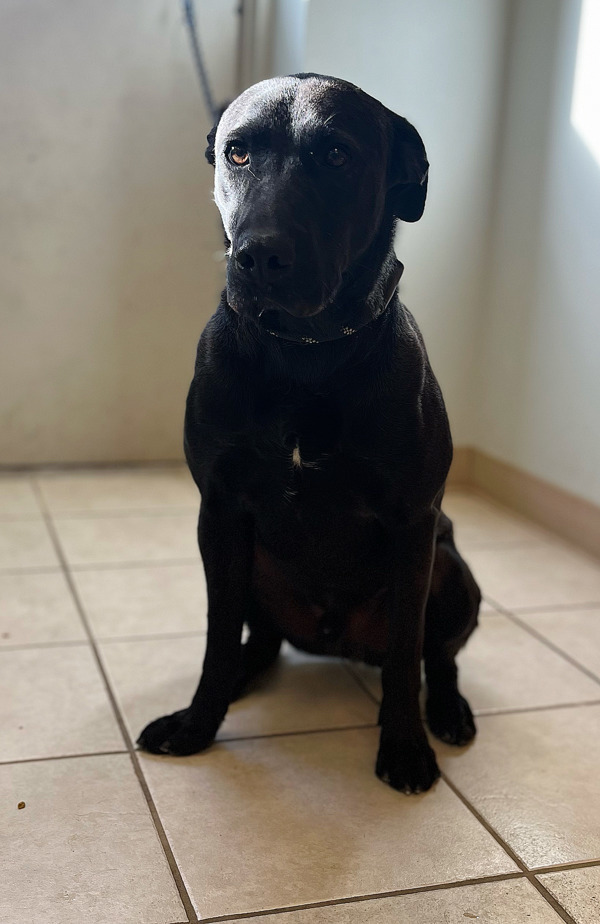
[[173, 734], [451, 720], [406, 766]]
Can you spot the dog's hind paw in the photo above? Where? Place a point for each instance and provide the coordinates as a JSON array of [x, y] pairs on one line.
[[174, 734], [450, 719], [408, 766]]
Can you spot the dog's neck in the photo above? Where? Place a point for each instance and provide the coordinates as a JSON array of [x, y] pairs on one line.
[[344, 316]]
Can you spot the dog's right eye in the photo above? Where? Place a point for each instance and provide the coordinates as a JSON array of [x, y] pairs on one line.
[[238, 155], [336, 157]]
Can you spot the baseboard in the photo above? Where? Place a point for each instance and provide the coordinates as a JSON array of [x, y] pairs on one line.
[[571, 517], [31, 468], [460, 474]]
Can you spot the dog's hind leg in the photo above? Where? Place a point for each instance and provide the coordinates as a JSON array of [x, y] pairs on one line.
[[450, 618], [259, 651]]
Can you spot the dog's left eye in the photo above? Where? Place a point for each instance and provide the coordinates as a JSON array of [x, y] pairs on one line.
[[238, 155], [336, 157]]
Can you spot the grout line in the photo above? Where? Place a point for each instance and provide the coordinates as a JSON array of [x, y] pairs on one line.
[[565, 867], [104, 639], [35, 469], [120, 513], [529, 875], [26, 646], [358, 899], [297, 734], [218, 741], [21, 518], [151, 637], [519, 710], [360, 682], [225, 740], [77, 567], [38, 760], [498, 545], [561, 912], [175, 872], [541, 638], [31, 569], [486, 713], [557, 608]]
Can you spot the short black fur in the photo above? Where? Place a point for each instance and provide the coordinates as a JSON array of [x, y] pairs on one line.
[[322, 465]]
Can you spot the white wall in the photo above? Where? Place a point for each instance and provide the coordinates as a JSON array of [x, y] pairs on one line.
[[288, 50], [539, 380], [107, 229], [440, 65]]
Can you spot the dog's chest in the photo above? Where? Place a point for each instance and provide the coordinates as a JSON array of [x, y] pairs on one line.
[[301, 463]]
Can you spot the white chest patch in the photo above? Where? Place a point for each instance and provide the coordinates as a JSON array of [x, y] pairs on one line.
[[299, 462], [296, 457]]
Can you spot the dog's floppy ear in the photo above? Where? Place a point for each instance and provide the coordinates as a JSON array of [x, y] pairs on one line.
[[407, 171], [210, 150]]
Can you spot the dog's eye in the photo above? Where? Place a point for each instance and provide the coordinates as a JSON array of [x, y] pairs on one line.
[[336, 157], [238, 155]]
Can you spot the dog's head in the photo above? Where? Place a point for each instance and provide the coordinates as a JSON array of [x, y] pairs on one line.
[[308, 169]]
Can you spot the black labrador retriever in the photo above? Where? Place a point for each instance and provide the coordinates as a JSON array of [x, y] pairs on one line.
[[315, 428]]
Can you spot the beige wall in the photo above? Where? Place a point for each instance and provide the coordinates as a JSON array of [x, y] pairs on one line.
[[440, 65], [539, 378], [107, 228]]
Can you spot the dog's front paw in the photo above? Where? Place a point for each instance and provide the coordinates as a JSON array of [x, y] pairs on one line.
[[175, 734], [450, 719], [407, 765]]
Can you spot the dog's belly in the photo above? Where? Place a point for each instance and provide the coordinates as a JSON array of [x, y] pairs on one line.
[[342, 623], [322, 558]]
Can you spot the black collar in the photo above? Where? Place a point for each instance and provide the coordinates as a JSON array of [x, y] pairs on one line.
[[336, 322]]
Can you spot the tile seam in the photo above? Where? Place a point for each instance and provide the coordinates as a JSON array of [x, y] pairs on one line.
[[359, 899], [529, 874], [159, 828]]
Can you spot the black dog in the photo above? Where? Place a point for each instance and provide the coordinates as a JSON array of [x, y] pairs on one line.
[[315, 428]]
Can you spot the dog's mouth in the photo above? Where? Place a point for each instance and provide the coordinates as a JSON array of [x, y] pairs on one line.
[[261, 305]]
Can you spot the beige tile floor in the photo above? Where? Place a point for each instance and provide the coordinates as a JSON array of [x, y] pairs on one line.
[[102, 624]]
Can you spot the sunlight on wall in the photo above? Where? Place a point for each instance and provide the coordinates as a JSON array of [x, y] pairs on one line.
[[585, 105]]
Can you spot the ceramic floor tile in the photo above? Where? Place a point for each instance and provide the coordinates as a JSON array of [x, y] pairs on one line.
[[534, 777], [512, 902], [144, 601], [578, 891], [302, 693], [17, 497], [576, 632], [274, 822], [53, 703], [84, 848], [26, 544], [37, 608], [478, 521], [504, 667], [118, 540], [548, 574], [96, 491]]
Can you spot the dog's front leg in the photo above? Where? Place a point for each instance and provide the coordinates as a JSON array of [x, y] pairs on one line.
[[226, 543], [405, 759]]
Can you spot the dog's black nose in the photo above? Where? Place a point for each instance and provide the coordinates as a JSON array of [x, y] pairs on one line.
[[266, 259]]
